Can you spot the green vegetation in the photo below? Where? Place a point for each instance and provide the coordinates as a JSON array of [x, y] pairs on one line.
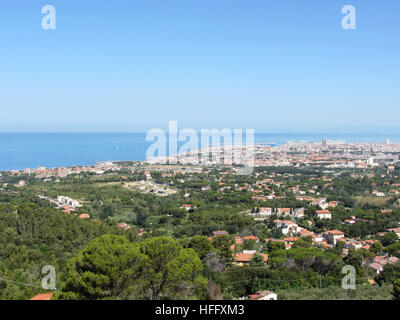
[[32, 237], [364, 292], [112, 267], [165, 250]]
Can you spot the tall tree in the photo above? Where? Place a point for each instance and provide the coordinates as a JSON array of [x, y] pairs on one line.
[[106, 268], [171, 270], [396, 290]]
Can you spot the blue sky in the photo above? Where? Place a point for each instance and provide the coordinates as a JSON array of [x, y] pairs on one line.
[[275, 66]]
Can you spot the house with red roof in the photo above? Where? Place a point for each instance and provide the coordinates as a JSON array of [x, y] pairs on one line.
[[187, 206], [380, 261], [263, 295], [246, 256], [42, 296], [332, 204], [289, 227], [332, 236], [290, 240], [265, 211], [323, 214], [256, 239], [123, 225], [395, 230], [283, 211]]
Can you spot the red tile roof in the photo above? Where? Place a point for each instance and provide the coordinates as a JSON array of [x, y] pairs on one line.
[[246, 257], [42, 296], [251, 238], [335, 232], [291, 239], [323, 211]]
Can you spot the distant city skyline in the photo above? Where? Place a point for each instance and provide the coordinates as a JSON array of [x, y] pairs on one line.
[[128, 66]]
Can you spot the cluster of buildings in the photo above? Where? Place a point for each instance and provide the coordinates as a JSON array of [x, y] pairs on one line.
[[327, 239], [245, 256], [293, 232], [263, 213], [380, 261], [67, 204], [67, 201], [334, 154], [62, 172]]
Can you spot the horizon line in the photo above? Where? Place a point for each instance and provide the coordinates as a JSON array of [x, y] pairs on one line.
[[145, 132]]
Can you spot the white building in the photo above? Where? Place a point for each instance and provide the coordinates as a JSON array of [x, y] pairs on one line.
[[265, 212], [298, 213], [333, 235], [323, 214], [66, 201]]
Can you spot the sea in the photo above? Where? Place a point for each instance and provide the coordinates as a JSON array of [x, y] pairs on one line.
[[19, 151]]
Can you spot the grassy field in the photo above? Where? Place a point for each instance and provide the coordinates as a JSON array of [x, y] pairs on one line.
[[362, 292], [377, 201]]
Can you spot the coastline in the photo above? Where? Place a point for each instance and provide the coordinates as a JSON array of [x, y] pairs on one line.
[[99, 164]]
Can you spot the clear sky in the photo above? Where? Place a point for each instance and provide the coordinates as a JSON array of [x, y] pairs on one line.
[[275, 66]]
